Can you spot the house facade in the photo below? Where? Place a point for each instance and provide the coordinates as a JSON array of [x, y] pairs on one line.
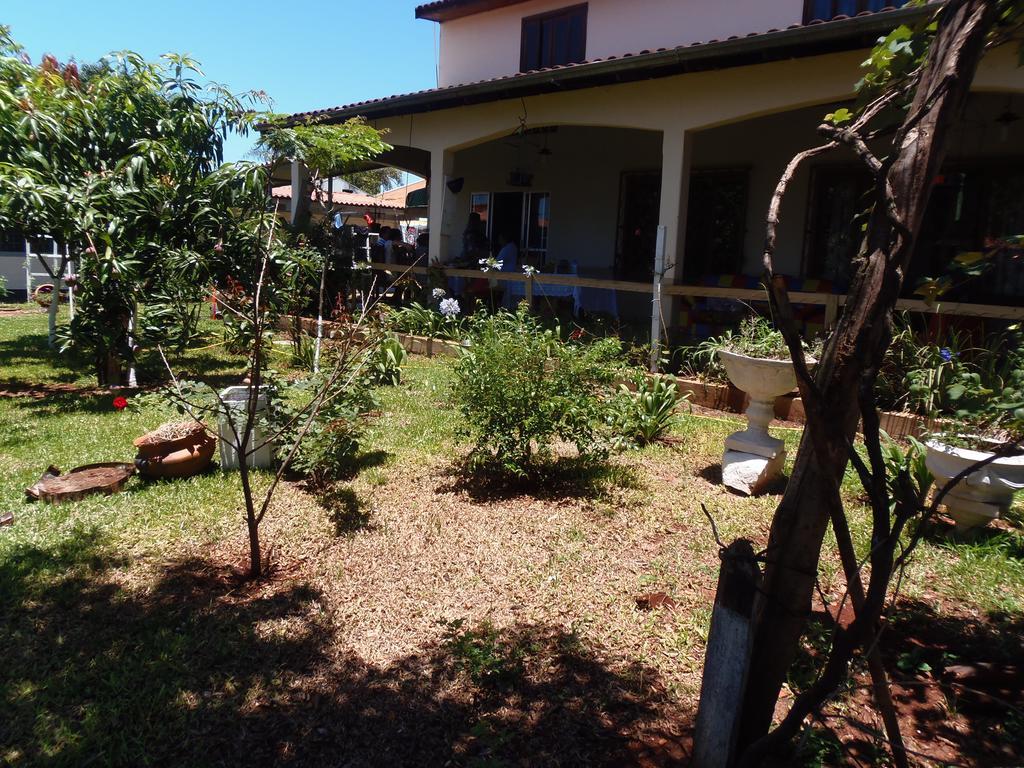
[[640, 142]]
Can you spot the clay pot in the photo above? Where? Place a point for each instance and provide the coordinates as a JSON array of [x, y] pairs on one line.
[[181, 457]]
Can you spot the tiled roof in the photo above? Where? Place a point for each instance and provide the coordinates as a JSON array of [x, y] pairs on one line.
[[443, 10], [345, 198], [840, 33], [399, 194]]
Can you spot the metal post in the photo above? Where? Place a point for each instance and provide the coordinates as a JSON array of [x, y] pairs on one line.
[[659, 269], [28, 270], [68, 269]]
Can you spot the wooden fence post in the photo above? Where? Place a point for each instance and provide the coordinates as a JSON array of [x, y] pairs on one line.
[[726, 658]]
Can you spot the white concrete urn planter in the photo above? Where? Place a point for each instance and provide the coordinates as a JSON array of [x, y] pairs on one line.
[[753, 458], [984, 494]]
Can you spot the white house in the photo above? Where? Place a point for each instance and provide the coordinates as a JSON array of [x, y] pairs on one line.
[[586, 129]]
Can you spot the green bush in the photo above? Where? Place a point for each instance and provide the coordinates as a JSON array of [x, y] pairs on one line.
[[333, 436], [647, 412], [520, 387], [383, 363]]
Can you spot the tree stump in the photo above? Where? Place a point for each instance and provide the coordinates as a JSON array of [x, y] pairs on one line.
[[82, 481]]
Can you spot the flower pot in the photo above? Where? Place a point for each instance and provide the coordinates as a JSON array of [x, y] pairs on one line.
[[753, 459], [260, 452], [763, 381], [983, 495], [180, 456]]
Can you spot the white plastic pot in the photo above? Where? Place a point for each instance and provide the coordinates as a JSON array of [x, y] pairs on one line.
[[235, 400], [983, 495]]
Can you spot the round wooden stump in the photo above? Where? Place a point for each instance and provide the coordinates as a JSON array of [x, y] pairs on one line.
[[81, 481]]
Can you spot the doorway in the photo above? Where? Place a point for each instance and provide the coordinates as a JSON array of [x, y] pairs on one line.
[[506, 217], [639, 209]]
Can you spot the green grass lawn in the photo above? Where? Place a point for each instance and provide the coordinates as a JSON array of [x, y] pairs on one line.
[[416, 618]]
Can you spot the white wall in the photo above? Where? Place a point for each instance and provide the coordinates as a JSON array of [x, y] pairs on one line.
[[487, 45], [12, 267]]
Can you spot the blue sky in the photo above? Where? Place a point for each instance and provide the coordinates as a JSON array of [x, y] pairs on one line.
[[304, 55]]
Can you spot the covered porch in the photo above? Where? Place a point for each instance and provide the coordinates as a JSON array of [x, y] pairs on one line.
[[649, 195], [592, 209]]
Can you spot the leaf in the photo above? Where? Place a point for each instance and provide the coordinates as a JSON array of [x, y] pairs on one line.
[[840, 116], [967, 258]]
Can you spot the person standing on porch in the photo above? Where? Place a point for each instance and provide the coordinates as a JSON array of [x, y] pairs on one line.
[[508, 253]]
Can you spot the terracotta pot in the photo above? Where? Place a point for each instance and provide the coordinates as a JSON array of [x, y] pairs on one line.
[[183, 457]]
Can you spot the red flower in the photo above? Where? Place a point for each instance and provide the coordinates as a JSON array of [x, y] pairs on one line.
[[576, 335], [120, 403]]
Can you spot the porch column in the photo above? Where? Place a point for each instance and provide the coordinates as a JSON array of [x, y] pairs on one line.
[[300, 192], [442, 163], [675, 188]]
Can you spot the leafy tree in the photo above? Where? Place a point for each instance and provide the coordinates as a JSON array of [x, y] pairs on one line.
[[912, 96], [124, 168], [375, 180]]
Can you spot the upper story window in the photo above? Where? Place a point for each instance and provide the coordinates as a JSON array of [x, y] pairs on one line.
[[828, 9], [550, 39]]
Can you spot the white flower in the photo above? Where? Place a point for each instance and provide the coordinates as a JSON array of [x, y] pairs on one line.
[[486, 265], [529, 271], [360, 266], [438, 293], [449, 307]]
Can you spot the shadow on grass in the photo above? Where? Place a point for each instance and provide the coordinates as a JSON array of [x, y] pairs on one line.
[[193, 669], [979, 541], [565, 478], [345, 509]]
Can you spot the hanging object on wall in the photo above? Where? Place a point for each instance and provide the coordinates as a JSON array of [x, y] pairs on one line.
[[455, 185]]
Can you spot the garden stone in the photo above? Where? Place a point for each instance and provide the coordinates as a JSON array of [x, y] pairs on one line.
[[749, 473]]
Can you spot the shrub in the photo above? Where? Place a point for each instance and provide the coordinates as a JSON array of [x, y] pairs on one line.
[[443, 323], [520, 387], [648, 411], [333, 436], [383, 363]]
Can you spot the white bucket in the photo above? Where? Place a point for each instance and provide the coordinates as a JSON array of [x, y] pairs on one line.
[[235, 401]]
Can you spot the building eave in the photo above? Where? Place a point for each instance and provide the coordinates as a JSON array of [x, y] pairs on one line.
[[798, 41]]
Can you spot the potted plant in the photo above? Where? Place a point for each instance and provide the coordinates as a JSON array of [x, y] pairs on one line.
[[981, 443], [757, 362]]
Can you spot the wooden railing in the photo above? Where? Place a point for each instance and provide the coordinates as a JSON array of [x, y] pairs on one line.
[[831, 301]]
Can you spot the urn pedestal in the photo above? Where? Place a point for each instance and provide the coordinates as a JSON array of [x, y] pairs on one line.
[[984, 494], [753, 459]]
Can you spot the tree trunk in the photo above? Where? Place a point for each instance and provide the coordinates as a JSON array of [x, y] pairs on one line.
[[854, 350], [51, 313]]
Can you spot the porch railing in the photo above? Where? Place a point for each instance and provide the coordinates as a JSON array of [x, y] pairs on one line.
[[830, 301]]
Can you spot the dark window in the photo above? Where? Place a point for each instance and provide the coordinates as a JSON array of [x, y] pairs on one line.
[[716, 223], [550, 39], [969, 209], [836, 215], [829, 9]]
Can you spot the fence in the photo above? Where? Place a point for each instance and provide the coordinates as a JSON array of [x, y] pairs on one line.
[[830, 301]]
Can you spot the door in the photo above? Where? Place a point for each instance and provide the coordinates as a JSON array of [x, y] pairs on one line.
[[639, 209], [506, 218]]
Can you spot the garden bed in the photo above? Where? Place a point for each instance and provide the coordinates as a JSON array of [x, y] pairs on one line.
[[707, 394]]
